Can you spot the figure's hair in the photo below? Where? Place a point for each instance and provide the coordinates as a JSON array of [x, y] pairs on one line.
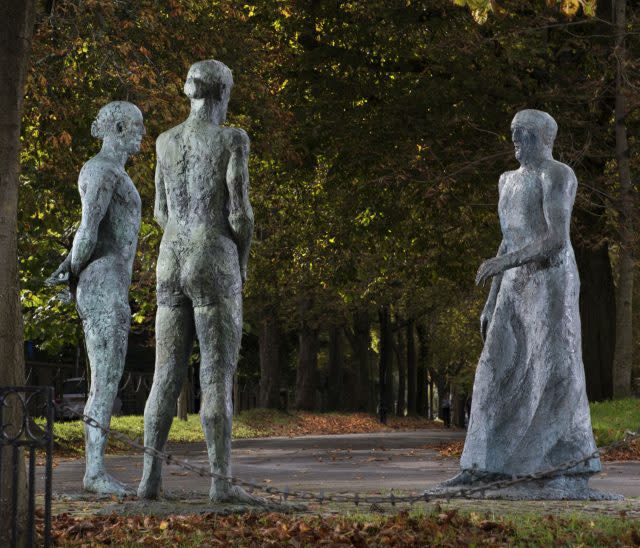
[[539, 121], [110, 115]]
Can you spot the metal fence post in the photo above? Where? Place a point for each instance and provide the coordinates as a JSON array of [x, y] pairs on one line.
[[30, 402]]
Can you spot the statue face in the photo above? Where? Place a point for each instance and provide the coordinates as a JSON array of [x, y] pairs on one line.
[[130, 132], [526, 143], [120, 124], [195, 86]]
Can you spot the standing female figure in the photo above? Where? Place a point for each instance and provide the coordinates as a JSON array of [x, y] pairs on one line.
[[529, 410]]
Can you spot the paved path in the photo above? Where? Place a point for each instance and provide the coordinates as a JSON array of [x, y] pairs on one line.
[[362, 462]]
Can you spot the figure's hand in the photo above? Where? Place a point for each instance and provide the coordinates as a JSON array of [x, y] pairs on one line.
[[62, 274], [488, 269]]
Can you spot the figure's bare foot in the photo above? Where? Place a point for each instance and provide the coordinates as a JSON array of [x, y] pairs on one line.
[[149, 490], [105, 484], [462, 478], [473, 477], [236, 495]]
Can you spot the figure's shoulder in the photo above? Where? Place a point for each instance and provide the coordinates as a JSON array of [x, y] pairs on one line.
[[235, 137], [99, 171], [505, 177], [168, 136], [558, 173]]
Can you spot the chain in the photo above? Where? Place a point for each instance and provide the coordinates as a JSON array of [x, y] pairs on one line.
[[356, 498]]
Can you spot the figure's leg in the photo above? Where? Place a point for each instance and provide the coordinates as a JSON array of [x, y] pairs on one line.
[[174, 338], [106, 342], [219, 330]]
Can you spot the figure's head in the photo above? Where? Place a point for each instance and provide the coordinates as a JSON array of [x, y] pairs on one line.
[[533, 133], [120, 123], [210, 79]]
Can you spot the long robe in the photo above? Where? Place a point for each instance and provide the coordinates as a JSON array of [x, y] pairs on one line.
[[529, 409]]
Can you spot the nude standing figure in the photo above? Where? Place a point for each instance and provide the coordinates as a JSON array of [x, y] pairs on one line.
[[202, 204], [98, 270]]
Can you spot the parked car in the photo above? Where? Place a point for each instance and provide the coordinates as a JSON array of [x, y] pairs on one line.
[[74, 397]]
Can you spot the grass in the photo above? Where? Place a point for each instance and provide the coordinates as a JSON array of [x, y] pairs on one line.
[[575, 529], [610, 419], [249, 424]]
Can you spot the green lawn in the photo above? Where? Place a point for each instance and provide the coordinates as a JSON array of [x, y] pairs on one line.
[[610, 421], [249, 424]]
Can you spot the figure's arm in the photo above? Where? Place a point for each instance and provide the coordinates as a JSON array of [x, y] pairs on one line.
[[160, 211], [98, 185], [240, 211], [495, 284], [558, 192], [490, 305]]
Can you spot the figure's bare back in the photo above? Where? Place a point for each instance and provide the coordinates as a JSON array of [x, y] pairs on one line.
[[193, 157]]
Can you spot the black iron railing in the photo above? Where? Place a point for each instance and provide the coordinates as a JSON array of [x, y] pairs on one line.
[[19, 407]]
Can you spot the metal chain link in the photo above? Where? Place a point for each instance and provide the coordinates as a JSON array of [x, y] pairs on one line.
[[356, 498]]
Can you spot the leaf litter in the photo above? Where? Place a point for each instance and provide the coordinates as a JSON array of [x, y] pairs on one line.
[[441, 528]]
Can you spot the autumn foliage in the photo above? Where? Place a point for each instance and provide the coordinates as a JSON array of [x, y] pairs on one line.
[[627, 452], [379, 130], [309, 424]]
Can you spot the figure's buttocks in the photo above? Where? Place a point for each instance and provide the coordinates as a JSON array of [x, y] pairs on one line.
[[198, 258]]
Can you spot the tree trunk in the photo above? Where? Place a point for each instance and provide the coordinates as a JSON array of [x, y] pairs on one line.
[[269, 343], [443, 394], [16, 28], [597, 316], [623, 357], [183, 401], [335, 368], [458, 409], [422, 397], [385, 362], [307, 372], [430, 399], [360, 341], [411, 369], [402, 376]]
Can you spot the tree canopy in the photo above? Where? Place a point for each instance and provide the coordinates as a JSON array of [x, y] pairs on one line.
[[379, 130]]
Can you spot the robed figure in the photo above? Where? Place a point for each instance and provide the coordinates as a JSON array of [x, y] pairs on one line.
[[529, 410]]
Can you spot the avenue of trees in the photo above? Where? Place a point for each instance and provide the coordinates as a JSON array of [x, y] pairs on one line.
[[379, 129]]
